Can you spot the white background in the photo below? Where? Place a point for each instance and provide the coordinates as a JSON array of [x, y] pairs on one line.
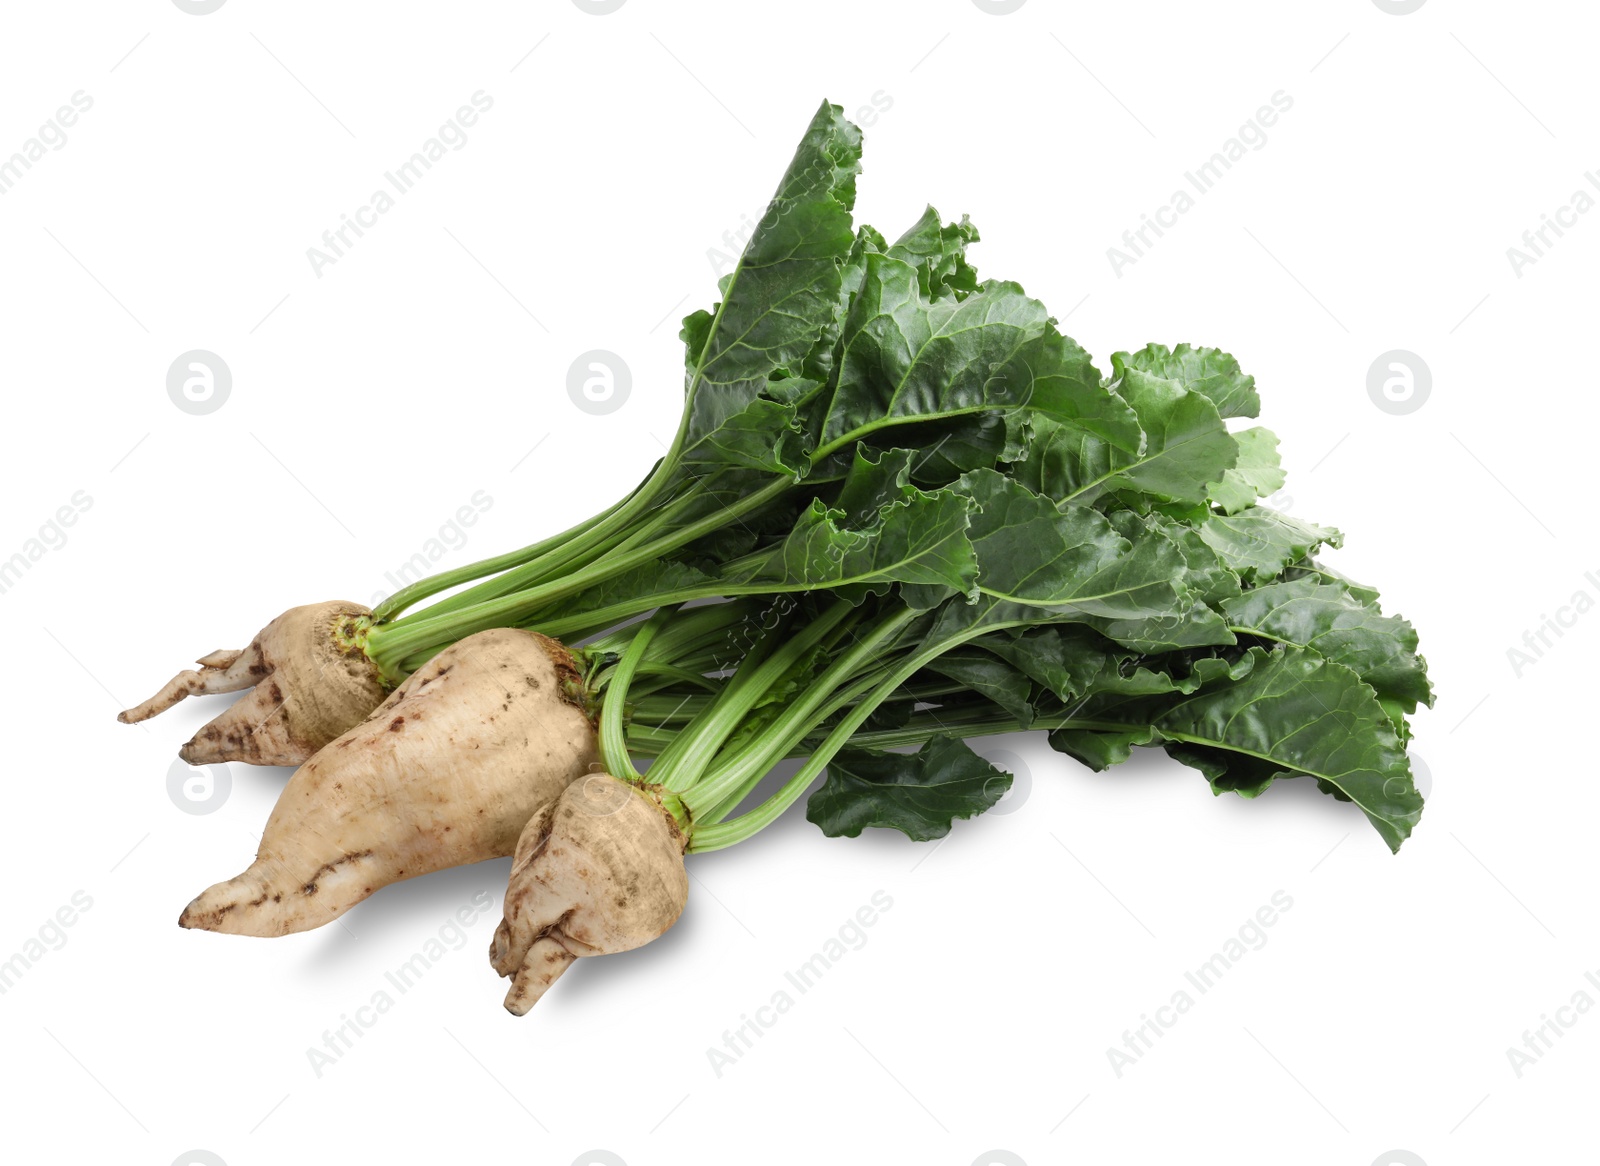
[[372, 401]]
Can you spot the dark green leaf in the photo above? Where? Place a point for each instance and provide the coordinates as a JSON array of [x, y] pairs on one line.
[[921, 539], [875, 479], [780, 304], [1259, 543], [1065, 660], [1067, 390], [950, 447], [1207, 576], [992, 677], [1283, 714], [1379, 648], [1309, 568], [785, 289], [939, 253], [1067, 559], [920, 794], [1186, 446], [905, 358], [729, 426], [1099, 750]]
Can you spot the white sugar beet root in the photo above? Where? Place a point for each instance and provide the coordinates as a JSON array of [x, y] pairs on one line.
[[309, 681], [446, 772], [597, 871]]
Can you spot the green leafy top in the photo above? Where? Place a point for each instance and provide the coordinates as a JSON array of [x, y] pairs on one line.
[[1002, 535]]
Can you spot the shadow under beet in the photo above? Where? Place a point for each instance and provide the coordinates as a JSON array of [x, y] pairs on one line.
[[416, 909], [593, 978]]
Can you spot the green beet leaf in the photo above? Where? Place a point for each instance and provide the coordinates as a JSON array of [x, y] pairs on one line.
[[905, 358], [1256, 475], [1186, 446], [1283, 713], [1258, 544], [1381, 649], [921, 539], [990, 676], [939, 253], [920, 794], [1064, 660], [1207, 371], [779, 303], [1069, 560]]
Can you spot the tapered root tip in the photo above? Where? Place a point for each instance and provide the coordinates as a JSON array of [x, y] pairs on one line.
[[224, 670], [542, 966], [276, 897], [214, 749], [233, 906], [196, 917], [180, 686], [255, 729]]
